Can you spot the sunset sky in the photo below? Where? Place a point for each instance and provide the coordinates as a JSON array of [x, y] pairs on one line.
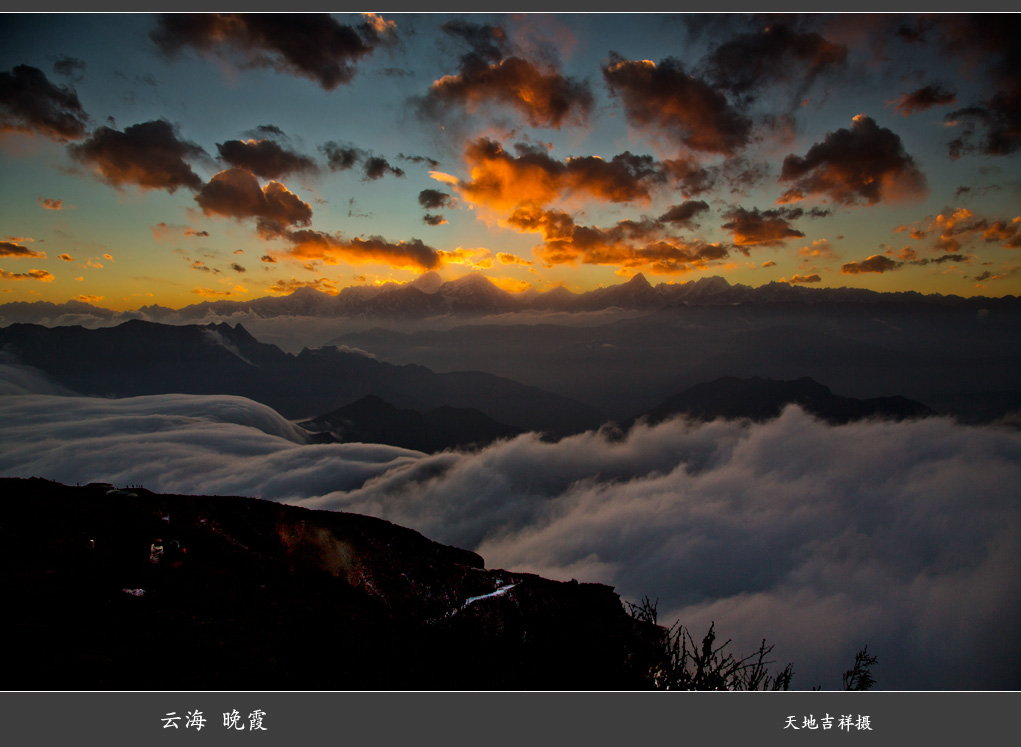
[[149, 159]]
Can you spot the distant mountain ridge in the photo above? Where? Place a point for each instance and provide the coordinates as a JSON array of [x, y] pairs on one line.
[[474, 294], [138, 358], [761, 399], [371, 420]]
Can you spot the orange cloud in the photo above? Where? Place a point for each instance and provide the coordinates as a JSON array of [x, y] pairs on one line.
[[211, 293], [543, 96], [289, 286], [90, 299], [1008, 233], [796, 279], [460, 256], [511, 285], [628, 244], [41, 275], [512, 259], [332, 250], [65, 257], [503, 181], [17, 251], [820, 249], [48, 203]]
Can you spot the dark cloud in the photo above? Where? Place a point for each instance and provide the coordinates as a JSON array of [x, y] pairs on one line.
[[684, 108], [332, 250], [431, 199], [743, 175], [749, 61], [149, 155], [268, 259], [684, 214], [341, 157], [864, 164], [235, 193], [237, 268], [30, 103], [70, 67], [488, 42], [990, 41], [761, 228], [267, 131], [433, 220], [959, 258], [875, 263], [923, 99], [432, 163], [692, 178], [264, 158], [344, 156], [313, 46], [376, 167], [542, 95], [503, 180], [10, 249], [631, 244]]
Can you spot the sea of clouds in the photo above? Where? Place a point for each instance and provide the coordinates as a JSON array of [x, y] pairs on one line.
[[903, 536]]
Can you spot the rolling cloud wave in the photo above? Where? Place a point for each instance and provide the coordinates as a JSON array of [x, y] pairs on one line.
[[905, 536]]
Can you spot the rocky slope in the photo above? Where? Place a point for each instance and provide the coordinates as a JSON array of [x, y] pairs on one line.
[[269, 596]]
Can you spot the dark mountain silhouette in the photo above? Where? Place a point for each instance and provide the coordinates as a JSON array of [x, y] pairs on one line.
[[763, 399], [137, 358], [266, 596], [371, 420], [960, 359]]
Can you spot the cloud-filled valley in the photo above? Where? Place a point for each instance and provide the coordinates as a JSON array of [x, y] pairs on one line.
[[901, 535]]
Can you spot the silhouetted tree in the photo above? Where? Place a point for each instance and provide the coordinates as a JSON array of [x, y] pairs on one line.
[[859, 677]]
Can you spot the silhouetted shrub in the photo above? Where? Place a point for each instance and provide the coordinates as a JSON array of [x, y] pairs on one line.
[[683, 665]]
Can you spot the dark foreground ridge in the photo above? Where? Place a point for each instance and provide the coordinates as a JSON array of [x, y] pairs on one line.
[[265, 596]]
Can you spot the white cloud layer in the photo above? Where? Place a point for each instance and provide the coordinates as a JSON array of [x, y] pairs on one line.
[[905, 536]]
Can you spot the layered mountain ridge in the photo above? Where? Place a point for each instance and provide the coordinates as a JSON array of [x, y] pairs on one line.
[[474, 294]]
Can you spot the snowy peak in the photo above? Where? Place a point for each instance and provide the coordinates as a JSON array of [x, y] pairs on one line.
[[428, 282]]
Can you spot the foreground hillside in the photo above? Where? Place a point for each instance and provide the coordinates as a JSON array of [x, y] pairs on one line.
[[268, 596]]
